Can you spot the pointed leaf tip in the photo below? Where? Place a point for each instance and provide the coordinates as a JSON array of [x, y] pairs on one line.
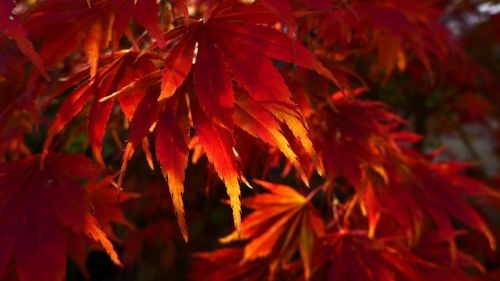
[[172, 150]]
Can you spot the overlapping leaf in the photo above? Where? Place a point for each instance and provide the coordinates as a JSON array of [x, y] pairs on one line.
[[444, 187], [346, 140], [10, 26], [221, 58], [119, 69], [283, 222], [393, 30], [106, 200], [66, 26], [42, 200], [212, 83], [172, 139], [360, 144], [353, 256]]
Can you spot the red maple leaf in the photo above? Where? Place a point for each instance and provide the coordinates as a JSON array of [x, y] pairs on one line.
[[10, 26], [221, 58], [42, 199], [352, 255], [283, 222], [89, 25]]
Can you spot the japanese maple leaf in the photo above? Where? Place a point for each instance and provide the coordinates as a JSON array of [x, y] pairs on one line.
[[225, 53], [434, 190], [66, 26], [346, 140], [394, 30], [10, 26], [105, 205], [105, 202], [445, 187], [42, 200], [350, 255], [282, 222], [359, 144], [118, 70], [139, 105], [225, 45]]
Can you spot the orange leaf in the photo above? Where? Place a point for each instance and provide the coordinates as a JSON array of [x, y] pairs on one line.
[[283, 222], [256, 120], [93, 231], [218, 145], [172, 150]]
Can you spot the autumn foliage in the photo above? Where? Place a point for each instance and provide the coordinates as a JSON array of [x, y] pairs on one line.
[[248, 140]]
